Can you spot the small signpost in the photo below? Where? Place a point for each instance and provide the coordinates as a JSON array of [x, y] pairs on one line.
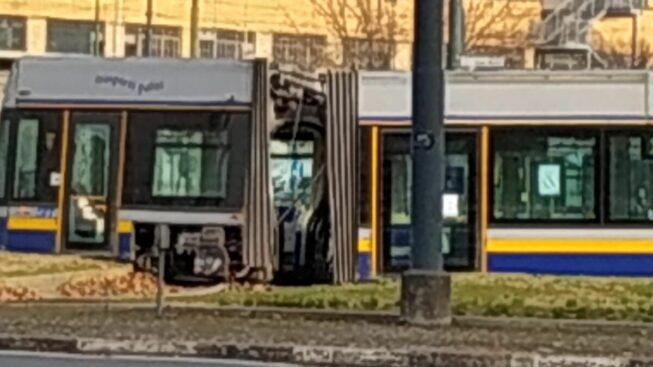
[[162, 239]]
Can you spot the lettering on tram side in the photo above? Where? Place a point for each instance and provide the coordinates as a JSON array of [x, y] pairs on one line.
[[150, 87], [117, 81], [33, 212], [45, 212]]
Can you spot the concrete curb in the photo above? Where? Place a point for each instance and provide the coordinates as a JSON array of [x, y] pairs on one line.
[[313, 355], [372, 317]]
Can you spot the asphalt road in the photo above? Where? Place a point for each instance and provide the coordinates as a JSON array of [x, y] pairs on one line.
[[20, 359]]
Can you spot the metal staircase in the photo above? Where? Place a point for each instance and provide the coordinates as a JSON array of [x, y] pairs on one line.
[[567, 26]]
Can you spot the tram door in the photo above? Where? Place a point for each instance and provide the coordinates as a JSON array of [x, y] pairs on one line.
[[91, 180], [459, 237]]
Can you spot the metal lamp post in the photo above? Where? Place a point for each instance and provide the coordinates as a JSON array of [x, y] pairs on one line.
[[426, 288]]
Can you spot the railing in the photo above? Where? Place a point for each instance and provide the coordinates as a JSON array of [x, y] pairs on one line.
[[570, 21]]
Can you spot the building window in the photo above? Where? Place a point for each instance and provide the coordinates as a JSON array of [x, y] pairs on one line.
[[75, 37], [226, 44], [630, 174], [368, 54], [301, 50], [191, 163], [207, 48], [545, 176], [165, 42], [562, 60], [12, 33]]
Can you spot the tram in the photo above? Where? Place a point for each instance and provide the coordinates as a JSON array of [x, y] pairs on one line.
[[139, 159], [243, 169]]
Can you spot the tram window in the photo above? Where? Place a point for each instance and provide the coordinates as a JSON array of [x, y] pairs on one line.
[[4, 143], [36, 156], [400, 184], [631, 167], [25, 177], [397, 169], [540, 176], [186, 159], [191, 163]]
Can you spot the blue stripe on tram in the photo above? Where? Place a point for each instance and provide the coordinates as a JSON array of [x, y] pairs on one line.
[[31, 241], [573, 264]]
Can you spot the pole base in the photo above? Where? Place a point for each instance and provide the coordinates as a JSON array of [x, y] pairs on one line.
[[426, 297]]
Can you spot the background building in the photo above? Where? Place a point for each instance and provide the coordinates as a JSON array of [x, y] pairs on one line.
[[371, 34], [306, 32]]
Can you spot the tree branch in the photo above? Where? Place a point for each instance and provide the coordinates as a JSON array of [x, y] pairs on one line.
[[488, 24], [373, 22]]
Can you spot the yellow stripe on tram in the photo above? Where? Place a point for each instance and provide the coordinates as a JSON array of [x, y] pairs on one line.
[[365, 246], [32, 224], [571, 245], [125, 226]]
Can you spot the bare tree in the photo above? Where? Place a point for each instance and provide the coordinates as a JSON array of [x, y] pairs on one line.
[[617, 55], [499, 27], [497, 22], [367, 30]]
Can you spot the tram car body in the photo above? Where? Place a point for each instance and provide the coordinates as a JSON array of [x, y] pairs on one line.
[[135, 158], [547, 172]]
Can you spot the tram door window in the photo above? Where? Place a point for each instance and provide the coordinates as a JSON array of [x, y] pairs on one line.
[[90, 183], [459, 201]]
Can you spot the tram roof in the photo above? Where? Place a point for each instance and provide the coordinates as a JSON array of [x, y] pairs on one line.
[[79, 80], [505, 96]]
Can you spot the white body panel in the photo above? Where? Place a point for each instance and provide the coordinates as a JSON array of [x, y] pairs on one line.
[[517, 96]]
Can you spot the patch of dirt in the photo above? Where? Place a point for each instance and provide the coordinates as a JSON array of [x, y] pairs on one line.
[[27, 277], [9, 293], [112, 285]]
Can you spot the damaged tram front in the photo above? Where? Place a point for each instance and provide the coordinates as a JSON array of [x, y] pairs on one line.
[[144, 158]]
